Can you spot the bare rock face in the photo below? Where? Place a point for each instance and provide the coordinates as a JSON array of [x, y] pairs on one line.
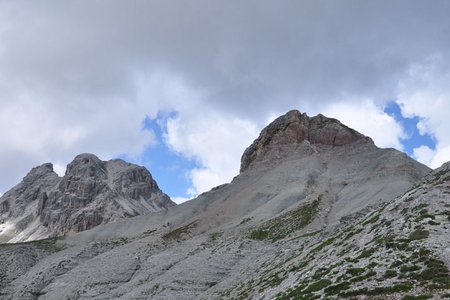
[[295, 128], [92, 192], [14, 202]]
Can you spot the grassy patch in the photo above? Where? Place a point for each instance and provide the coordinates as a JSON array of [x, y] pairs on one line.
[[364, 254], [355, 271], [304, 291], [215, 236], [363, 277], [274, 280], [49, 244], [372, 219], [418, 234], [323, 245], [289, 222], [397, 288], [317, 286], [337, 288], [407, 269], [390, 274], [420, 206], [419, 297], [259, 234], [179, 232], [434, 223], [435, 272]]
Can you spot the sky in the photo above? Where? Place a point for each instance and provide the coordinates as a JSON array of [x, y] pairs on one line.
[[183, 87]]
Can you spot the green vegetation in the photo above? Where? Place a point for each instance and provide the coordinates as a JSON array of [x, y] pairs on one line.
[[282, 226], [317, 286], [274, 280], [363, 277], [246, 220], [397, 288], [148, 232], [335, 289], [304, 291], [390, 274], [215, 236], [299, 266], [436, 272], [407, 265], [179, 232], [322, 245], [50, 244], [372, 219], [352, 233], [321, 272], [406, 269], [364, 254], [419, 297], [423, 214], [259, 234], [418, 234], [355, 271], [420, 206]]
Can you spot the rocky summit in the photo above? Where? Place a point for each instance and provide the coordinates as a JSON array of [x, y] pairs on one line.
[[92, 192], [317, 212], [294, 128]]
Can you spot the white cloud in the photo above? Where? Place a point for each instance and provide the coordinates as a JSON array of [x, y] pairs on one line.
[[424, 154], [179, 200], [42, 129], [37, 127], [216, 141], [369, 119], [442, 156], [432, 157], [425, 92]]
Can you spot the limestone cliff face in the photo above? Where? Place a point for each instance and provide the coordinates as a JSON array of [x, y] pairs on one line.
[[92, 192], [14, 202], [295, 128]]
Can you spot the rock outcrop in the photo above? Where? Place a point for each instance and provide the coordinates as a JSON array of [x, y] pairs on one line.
[[92, 192], [294, 128]]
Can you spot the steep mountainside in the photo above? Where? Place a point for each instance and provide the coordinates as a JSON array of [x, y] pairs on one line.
[[318, 211], [401, 250], [92, 192]]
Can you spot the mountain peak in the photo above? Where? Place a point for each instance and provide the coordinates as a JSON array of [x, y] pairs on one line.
[[85, 165], [41, 170], [295, 127], [92, 192]]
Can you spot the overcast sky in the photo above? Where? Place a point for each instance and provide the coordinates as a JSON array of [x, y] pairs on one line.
[[184, 86]]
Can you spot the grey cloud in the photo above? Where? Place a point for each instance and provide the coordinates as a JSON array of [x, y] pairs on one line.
[[248, 58], [238, 52]]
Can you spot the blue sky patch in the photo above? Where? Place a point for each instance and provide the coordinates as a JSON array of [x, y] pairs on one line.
[[414, 139], [168, 168]]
